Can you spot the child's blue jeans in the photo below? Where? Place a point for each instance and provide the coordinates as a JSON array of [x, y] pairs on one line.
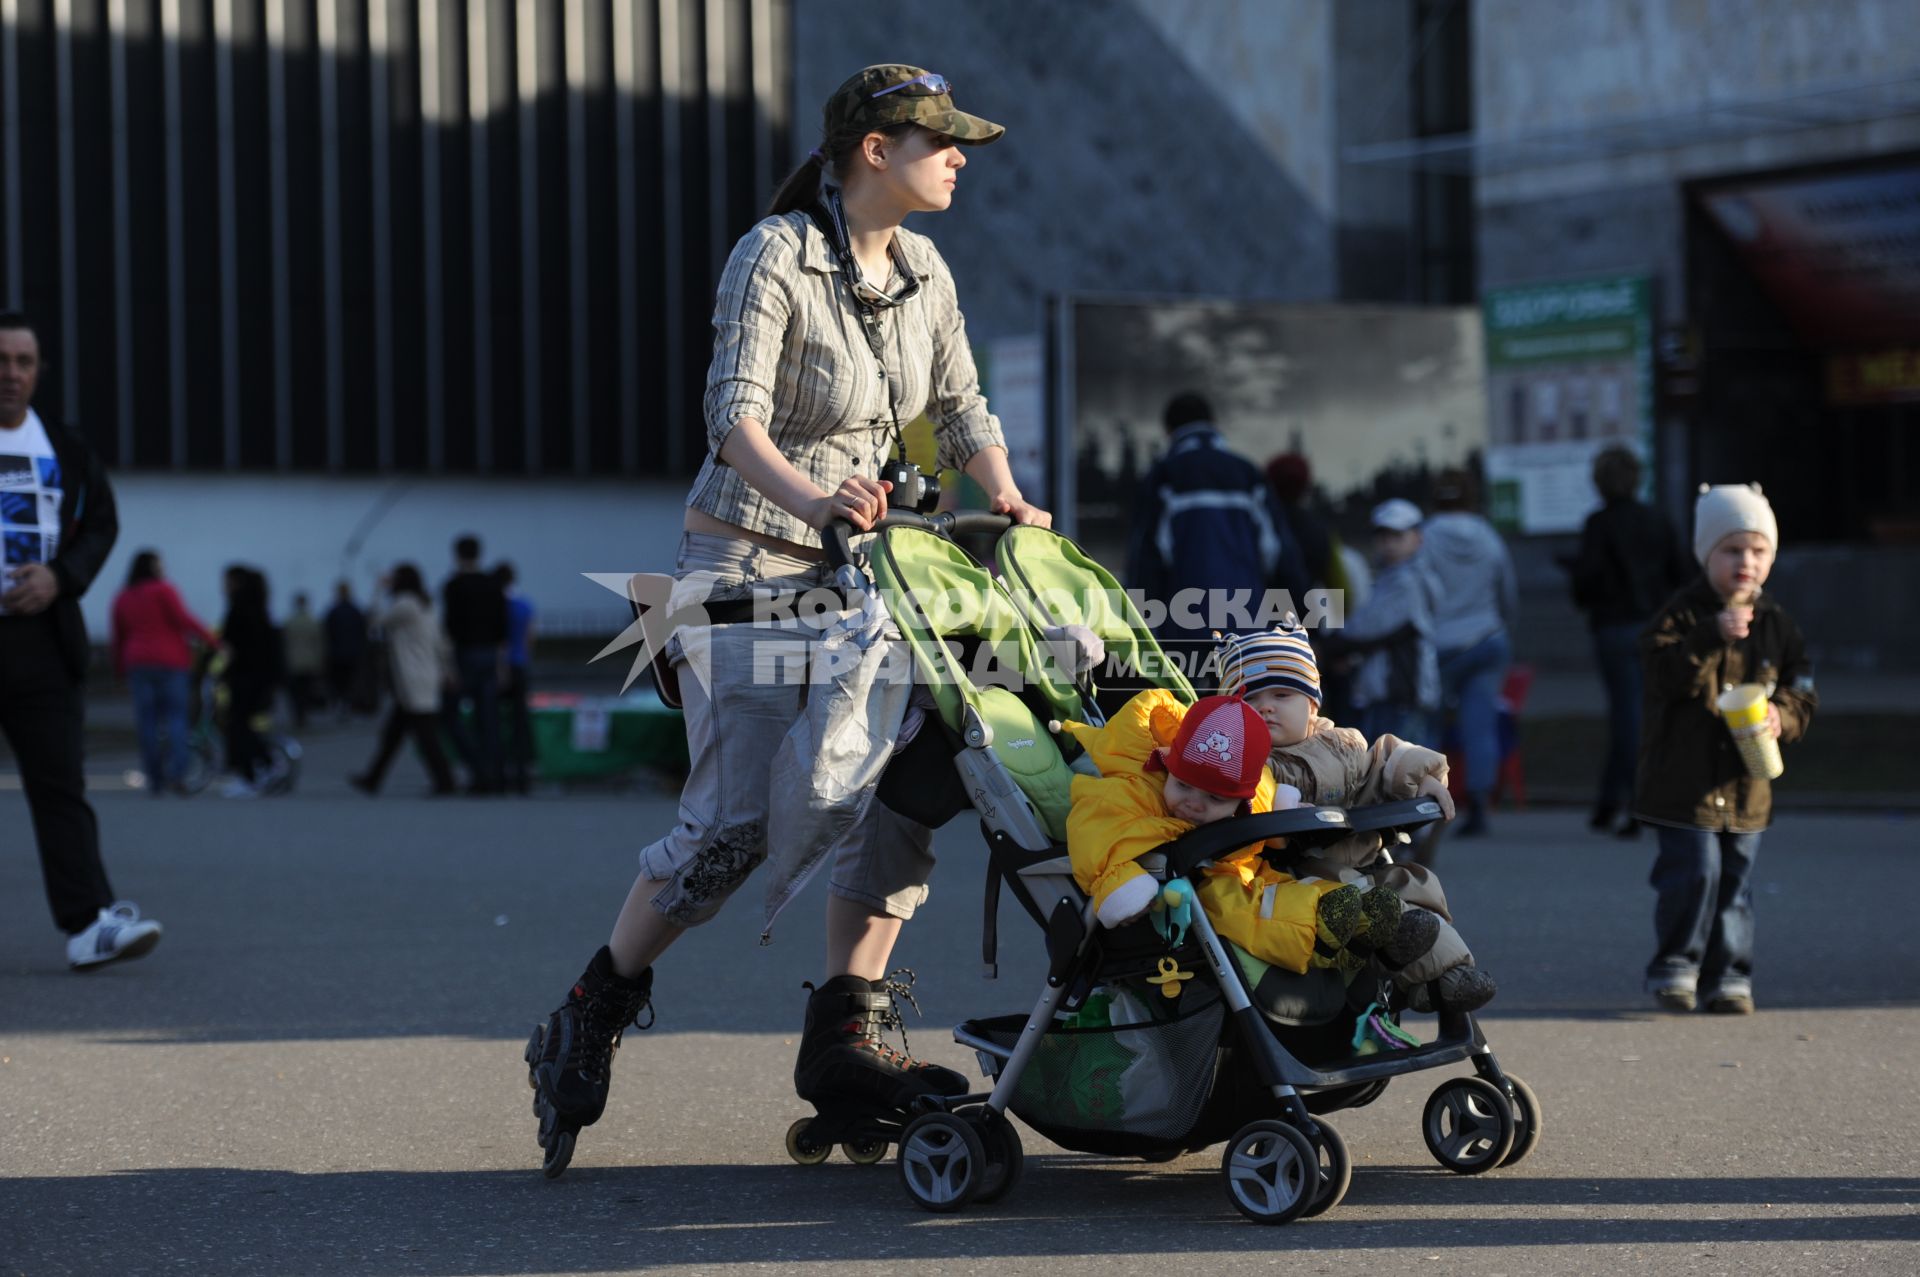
[[1704, 916]]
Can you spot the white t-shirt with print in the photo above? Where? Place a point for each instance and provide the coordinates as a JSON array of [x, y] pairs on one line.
[[30, 490]]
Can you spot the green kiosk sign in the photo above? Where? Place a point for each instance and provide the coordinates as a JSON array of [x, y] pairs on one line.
[[1569, 373]]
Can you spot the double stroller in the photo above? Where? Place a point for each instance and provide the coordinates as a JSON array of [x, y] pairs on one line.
[[1141, 1044]]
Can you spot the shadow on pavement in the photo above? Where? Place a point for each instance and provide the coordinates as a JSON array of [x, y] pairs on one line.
[[593, 1220]]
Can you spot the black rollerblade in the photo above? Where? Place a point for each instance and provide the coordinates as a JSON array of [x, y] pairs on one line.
[[863, 1091], [570, 1057]]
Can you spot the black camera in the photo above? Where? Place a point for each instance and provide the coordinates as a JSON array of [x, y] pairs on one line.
[[912, 490]]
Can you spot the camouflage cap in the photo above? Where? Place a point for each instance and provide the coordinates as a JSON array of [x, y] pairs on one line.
[[854, 105]]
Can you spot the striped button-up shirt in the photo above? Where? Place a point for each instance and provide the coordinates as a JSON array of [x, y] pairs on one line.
[[789, 351]]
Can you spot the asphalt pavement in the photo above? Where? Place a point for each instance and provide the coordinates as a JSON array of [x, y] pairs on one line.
[[318, 1071]]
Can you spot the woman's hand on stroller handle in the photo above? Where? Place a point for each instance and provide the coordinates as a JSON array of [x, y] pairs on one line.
[[837, 534]]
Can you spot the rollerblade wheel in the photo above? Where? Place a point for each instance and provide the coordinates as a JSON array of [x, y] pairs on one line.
[[559, 1153], [864, 1152], [1271, 1171], [803, 1150], [942, 1162], [1526, 1121], [1468, 1125], [1336, 1172]]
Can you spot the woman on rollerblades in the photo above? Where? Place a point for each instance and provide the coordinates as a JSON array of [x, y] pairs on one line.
[[833, 327]]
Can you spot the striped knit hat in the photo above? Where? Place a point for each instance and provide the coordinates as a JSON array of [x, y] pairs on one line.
[[1282, 657]]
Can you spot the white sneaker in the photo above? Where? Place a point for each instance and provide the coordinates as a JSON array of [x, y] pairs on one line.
[[117, 934], [239, 788]]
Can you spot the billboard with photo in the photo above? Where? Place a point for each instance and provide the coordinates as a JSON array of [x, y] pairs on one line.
[[1378, 398]]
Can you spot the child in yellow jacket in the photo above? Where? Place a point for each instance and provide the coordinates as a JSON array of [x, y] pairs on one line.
[[1165, 769]]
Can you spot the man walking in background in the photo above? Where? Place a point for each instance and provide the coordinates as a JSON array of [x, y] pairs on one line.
[[473, 608], [59, 523], [306, 645], [346, 640], [1206, 524]]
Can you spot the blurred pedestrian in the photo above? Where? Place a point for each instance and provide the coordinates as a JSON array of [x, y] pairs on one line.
[[417, 659], [1474, 610], [153, 635], [1629, 564], [1325, 564], [346, 633], [474, 611], [306, 644], [256, 666], [54, 492], [515, 691], [1708, 809], [1397, 687], [1206, 528]]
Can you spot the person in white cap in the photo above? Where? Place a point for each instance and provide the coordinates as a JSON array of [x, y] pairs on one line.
[[1397, 684], [1709, 813]]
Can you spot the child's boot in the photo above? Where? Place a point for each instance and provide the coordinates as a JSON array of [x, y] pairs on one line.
[[1462, 988], [844, 1065], [570, 1057], [1415, 935]]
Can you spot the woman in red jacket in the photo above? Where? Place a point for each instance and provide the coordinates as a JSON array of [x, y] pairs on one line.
[[153, 637]]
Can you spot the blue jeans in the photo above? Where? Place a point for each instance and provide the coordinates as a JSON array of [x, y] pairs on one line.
[[1404, 721], [160, 714], [478, 669], [1617, 649], [1470, 680], [1704, 916]]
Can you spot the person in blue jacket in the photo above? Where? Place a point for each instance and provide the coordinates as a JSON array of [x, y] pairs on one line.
[[1206, 526]]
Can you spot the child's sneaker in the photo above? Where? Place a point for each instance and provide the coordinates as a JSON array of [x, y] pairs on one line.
[[119, 933], [1674, 991]]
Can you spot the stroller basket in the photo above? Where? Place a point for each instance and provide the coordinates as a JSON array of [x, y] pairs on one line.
[[1144, 1073]]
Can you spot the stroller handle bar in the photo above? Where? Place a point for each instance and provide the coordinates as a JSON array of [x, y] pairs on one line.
[[837, 536]]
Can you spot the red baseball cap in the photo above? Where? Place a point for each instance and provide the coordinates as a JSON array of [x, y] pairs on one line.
[[1221, 748]]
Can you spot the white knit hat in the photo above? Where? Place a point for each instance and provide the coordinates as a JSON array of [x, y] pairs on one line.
[[1726, 508]]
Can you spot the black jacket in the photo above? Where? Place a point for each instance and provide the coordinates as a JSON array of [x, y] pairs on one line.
[[89, 525], [1630, 562], [1690, 773], [473, 607]]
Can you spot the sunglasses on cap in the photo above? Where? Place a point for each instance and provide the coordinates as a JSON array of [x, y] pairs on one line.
[[920, 86]]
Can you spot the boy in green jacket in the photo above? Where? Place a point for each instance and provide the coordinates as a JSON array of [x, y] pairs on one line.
[[1709, 812]]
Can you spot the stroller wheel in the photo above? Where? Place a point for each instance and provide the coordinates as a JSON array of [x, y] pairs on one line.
[[1526, 1121], [1336, 1172], [1468, 1125], [1271, 1172], [1006, 1159], [943, 1163]]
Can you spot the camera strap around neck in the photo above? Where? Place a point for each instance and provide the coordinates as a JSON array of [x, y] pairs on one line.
[[830, 215]]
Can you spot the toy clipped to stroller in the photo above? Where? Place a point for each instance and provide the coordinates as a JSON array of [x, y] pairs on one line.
[[1158, 1037]]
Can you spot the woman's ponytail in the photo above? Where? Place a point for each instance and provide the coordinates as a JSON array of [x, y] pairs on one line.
[[802, 187]]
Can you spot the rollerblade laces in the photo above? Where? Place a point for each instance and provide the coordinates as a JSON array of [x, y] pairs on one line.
[[570, 1056], [843, 1064]]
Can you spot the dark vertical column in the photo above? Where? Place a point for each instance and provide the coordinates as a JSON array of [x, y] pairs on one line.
[[281, 235], [579, 347], [379, 125], [172, 91], [14, 296], [633, 46], [122, 230], [527, 117], [480, 213], [223, 38], [673, 96], [434, 112], [333, 316], [69, 208]]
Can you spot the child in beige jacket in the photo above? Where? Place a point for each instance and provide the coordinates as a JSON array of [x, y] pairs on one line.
[[1319, 763]]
